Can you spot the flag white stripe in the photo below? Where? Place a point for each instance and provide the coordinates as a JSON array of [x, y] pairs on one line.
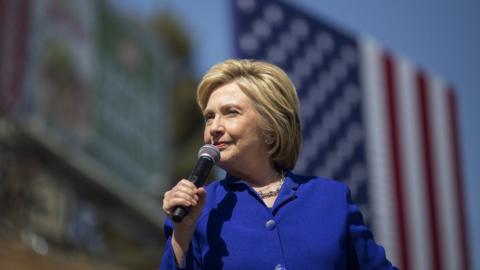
[[443, 162], [380, 172], [415, 190]]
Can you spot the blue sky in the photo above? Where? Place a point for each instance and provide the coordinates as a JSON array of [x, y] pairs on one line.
[[441, 36]]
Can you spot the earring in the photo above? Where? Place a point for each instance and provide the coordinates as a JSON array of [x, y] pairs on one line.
[[269, 139]]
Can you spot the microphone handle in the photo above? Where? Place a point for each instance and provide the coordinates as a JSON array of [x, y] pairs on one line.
[[198, 176]]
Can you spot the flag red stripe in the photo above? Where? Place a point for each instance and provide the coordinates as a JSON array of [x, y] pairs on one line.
[[3, 21], [13, 49], [462, 236], [396, 158], [3, 40], [20, 52], [429, 169]]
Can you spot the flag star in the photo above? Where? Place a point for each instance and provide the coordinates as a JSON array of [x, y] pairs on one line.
[[246, 6], [273, 14]]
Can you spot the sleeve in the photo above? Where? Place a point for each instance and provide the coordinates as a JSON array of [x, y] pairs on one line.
[[362, 250], [169, 262]]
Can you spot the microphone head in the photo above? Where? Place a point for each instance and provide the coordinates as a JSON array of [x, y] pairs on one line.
[[209, 151]]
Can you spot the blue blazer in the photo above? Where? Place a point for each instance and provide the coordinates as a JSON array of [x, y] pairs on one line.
[[313, 224]]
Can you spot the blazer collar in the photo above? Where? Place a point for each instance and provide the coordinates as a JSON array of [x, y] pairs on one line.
[[232, 182]]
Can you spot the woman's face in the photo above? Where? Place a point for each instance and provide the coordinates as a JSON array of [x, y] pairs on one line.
[[232, 125]]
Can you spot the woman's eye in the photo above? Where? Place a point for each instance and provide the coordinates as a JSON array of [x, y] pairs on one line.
[[208, 117], [232, 111]]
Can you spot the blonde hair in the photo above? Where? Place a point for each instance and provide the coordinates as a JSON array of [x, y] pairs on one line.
[[274, 97]]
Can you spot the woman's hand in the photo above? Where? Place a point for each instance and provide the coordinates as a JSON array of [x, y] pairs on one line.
[[185, 193]]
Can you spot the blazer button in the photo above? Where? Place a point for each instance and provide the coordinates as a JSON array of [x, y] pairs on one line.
[[280, 267], [270, 225]]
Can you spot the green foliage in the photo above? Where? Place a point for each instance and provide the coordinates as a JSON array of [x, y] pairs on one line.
[[187, 120]]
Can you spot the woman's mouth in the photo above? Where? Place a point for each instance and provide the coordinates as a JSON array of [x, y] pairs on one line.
[[221, 145]]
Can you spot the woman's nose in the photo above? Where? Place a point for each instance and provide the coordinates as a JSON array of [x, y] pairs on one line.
[[217, 127]]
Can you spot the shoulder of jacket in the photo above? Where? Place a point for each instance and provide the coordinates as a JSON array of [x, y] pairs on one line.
[[321, 182]]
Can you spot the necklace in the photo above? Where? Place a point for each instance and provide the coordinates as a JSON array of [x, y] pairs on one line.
[[272, 193]]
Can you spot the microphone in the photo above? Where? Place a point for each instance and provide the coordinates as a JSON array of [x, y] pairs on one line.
[[208, 155]]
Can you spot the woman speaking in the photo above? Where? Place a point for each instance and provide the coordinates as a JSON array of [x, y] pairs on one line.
[[261, 215]]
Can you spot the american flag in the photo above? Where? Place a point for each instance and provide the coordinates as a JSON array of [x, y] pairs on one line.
[[374, 120]]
